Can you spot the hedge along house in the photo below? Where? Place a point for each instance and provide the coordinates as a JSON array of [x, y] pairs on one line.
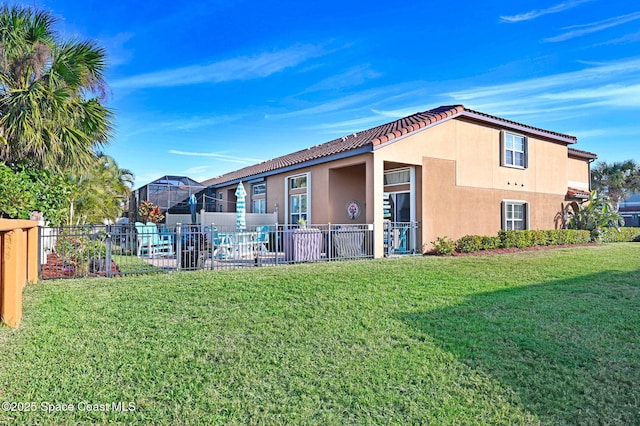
[[451, 170]]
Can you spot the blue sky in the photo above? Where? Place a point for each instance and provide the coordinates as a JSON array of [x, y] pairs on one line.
[[200, 88]]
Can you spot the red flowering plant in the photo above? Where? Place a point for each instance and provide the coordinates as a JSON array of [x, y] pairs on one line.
[[150, 212]]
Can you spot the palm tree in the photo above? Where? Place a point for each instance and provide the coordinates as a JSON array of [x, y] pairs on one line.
[[51, 114], [98, 192], [616, 180]]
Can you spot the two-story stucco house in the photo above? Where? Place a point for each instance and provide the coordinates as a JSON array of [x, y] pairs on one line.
[[452, 170]]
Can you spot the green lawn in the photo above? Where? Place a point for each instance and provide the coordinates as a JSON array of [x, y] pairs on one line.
[[541, 337]]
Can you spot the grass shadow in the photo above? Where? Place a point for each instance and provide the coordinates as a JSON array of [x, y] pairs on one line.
[[570, 349]]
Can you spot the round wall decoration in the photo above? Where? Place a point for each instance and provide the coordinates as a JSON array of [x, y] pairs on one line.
[[353, 210]]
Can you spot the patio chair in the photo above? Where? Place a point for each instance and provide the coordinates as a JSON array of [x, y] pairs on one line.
[[390, 240], [150, 243], [402, 241], [221, 245], [262, 238]]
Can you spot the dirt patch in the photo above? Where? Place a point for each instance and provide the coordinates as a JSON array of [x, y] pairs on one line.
[[56, 268]]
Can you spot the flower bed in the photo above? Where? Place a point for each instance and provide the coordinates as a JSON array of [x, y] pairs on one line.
[[56, 268]]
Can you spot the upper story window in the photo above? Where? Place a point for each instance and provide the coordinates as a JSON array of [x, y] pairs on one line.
[[298, 182], [298, 198], [397, 177], [258, 197], [259, 188], [514, 150]]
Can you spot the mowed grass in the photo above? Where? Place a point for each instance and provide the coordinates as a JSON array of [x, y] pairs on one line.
[[547, 337]]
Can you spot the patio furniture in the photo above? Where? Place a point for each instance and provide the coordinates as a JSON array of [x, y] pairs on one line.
[[262, 238], [221, 245], [348, 242], [402, 241], [244, 244], [395, 239], [150, 243], [302, 245]]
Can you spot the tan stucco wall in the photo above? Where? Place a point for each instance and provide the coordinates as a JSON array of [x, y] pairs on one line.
[[476, 149], [332, 185], [347, 184], [455, 211], [578, 173]]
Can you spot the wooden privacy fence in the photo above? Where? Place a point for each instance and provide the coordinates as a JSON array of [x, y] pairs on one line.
[[19, 254]]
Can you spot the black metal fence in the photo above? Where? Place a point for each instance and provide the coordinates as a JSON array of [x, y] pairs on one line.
[[115, 250]]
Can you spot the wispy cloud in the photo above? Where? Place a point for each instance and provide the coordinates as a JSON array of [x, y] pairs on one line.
[[331, 106], [347, 126], [613, 94], [402, 112], [199, 122], [115, 45], [608, 131], [196, 169], [353, 77], [593, 73], [629, 38], [359, 101], [241, 68], [218, 156], [580, 30], [533, 14], [376, 117], [615, 84]]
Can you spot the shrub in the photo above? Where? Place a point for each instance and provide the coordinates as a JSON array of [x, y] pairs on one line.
[[24, 190], [519, 239], [444, 246], [474, 243], [595, 216], [77, 251], [522, 239], [489, 243], [613, 235], [469, 244], [539, 237], [150, 212]]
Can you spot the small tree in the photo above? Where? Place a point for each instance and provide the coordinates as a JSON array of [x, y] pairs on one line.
[[150, 212], [616, 180], [595, 215]]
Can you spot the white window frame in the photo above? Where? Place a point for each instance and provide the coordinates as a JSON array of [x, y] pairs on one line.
[[504, 142], [259, 197], [306, 190], [261, 185], [292, 179], [302, 213], [397, 171], [261, 204], [506, 221]]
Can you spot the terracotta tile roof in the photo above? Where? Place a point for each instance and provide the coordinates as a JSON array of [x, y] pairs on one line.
[[582, 154], [577, 193], [370, 139], [523, 127]]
